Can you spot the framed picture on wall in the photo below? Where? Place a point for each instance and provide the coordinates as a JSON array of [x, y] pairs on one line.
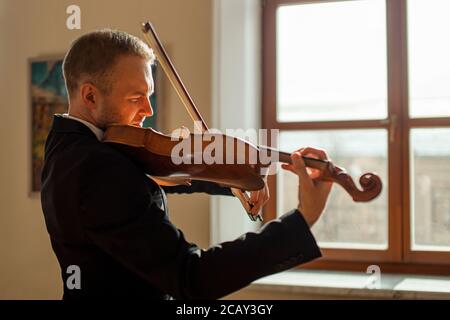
[[48, 96]]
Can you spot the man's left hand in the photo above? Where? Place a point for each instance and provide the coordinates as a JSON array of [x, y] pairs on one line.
[[259, 198]]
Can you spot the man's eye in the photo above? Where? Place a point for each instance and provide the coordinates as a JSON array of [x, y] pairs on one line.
[[134, 100]]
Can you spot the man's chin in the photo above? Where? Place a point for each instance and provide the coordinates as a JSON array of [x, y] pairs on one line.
[[138, 123]]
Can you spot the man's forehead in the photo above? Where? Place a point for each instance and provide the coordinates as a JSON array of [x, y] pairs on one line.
[[135, 73], [133, 65], [142, 86]]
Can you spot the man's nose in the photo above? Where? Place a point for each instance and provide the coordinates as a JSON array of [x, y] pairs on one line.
[[148, 110]]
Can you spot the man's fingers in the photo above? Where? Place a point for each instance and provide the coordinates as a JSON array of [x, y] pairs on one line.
[[258, 206], [299, 168], [266, 194], [259, 199], [254, 196], [320, 153], [254, 200], [255, 210], [288, 167], [298, 165]]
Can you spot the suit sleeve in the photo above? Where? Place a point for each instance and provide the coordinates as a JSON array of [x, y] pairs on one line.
[[200, 186], [120, 218]]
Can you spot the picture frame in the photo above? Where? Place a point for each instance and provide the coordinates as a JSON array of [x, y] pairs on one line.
[[47, 96]]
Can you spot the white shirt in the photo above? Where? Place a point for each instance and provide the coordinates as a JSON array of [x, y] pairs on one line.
[[97, 131]]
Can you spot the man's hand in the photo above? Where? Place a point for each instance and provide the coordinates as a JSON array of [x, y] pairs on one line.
[[259, 198], [312, 192]]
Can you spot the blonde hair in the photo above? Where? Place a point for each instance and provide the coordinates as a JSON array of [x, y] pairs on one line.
[[93, 55]]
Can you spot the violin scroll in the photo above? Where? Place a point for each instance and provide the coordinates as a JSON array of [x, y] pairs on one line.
[[370, 183]]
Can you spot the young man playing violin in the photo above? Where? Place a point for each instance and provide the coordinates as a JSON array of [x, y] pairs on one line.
[[108, 218]]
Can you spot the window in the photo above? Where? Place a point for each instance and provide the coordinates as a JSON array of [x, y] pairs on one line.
[[369, 81]]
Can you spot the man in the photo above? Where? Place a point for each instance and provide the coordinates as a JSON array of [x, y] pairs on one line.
[[105, 216]]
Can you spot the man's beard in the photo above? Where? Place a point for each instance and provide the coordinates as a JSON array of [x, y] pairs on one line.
[[107, 116]]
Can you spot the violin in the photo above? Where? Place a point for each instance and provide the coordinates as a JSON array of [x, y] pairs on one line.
[[166, 157]]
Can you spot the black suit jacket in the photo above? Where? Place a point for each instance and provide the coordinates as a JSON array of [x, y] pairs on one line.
[[104, 215]]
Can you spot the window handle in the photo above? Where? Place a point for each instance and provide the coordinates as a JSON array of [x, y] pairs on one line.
[[392, 122]]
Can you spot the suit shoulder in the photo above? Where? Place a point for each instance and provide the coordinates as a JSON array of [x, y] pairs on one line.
[[104, 155]]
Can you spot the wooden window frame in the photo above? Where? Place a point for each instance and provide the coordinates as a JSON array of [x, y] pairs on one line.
[[398, 258]]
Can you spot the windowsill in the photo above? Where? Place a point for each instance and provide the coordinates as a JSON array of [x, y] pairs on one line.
[[347, 285]]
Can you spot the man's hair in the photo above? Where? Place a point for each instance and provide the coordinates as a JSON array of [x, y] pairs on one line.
[[92, 57]]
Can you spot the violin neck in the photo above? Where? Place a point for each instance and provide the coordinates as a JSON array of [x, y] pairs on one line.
[[285, 157]]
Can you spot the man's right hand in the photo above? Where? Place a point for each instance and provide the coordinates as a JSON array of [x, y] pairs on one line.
[[312, 192]]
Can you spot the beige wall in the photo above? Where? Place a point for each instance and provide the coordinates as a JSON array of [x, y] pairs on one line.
[[28, 268]]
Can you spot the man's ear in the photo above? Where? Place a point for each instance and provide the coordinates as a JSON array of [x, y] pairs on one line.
[[89, 94]]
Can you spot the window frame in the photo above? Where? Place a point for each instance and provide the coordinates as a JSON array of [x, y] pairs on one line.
[[398, 258]]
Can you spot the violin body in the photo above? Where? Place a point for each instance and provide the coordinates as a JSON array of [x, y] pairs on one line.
[[157, 155]]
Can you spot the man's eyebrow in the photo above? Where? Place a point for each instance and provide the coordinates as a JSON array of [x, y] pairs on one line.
[[140, 93]]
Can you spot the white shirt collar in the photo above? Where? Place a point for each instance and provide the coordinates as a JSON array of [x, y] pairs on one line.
[[97, 131]]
